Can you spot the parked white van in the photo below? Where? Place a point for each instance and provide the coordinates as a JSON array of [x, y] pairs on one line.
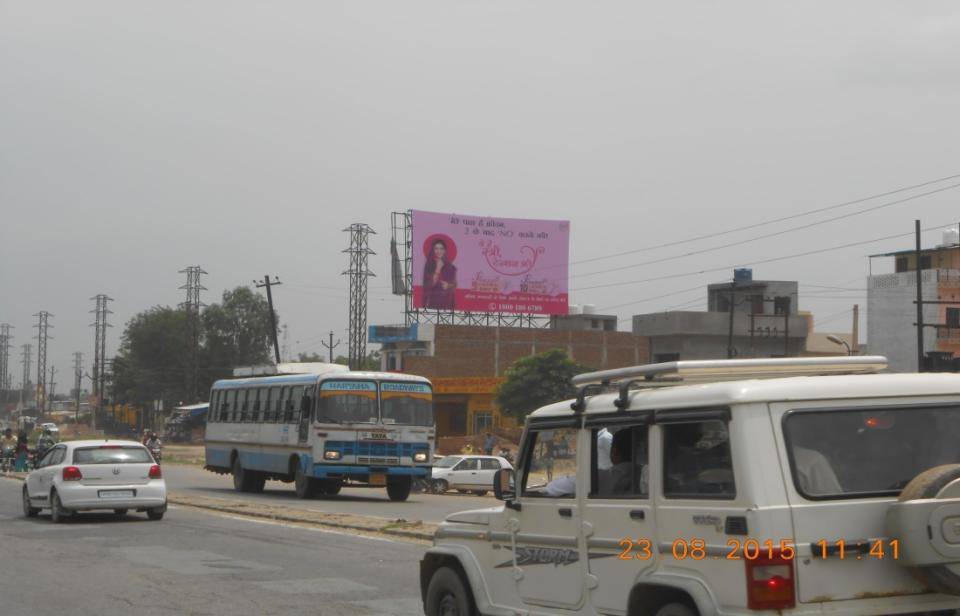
[[790, 486]]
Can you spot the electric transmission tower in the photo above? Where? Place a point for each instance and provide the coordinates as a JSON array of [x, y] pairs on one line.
[[43, 324], [25, 379], [358, 272], [191, 308], [5, 377], [100, 326]]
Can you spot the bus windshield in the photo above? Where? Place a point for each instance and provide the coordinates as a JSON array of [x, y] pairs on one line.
[[409, 404], [347, 402]]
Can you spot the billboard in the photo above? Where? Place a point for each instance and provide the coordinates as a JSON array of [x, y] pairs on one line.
[[484, 264]]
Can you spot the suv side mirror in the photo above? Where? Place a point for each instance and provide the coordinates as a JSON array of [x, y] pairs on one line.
[[504, 486]]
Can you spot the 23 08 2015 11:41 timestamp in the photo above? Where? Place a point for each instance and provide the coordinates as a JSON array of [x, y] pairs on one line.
[[754, 549]]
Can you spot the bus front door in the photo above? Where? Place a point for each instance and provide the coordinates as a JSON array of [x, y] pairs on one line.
[[303, 429]]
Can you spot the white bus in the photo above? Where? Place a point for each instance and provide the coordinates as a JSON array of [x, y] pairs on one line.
[[320, 430]]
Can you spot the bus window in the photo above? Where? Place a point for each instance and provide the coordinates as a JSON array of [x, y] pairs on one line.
[[347, 402], [293, 404], [268, 401], [244, 399], [255, 406], [282, 403], [214, 407], [409, 404]]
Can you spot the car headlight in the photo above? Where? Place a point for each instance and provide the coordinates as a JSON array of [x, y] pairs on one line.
[[331, 455], [421, 456]]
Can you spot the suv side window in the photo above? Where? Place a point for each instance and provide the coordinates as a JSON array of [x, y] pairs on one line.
[[697, 462], [469, 464], [489, 464], [619, 462], [551, 469]]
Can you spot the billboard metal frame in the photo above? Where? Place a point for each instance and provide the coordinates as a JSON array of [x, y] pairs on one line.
[[401, 228]]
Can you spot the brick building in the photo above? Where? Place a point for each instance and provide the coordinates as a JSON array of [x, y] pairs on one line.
[[466, 363]]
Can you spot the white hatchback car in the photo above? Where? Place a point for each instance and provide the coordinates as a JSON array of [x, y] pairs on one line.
[[98, 474], [467, 473]]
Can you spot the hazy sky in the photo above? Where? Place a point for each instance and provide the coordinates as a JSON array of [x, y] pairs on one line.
[[137, 139]]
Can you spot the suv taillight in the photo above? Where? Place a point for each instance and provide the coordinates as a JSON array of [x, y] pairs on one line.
[[72, 473], [770, 583], [155, 472]]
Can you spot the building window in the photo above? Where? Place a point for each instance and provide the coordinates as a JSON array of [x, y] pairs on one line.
[[781, 305], [756, 304], [953, 318], [482, 422], [391, 362], [901, 264]]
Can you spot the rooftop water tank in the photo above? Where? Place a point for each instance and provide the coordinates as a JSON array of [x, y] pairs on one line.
[[951, 237], [589, 308], [573, 309], [743, 274]]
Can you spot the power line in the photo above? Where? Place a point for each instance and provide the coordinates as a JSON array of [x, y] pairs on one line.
[[750, 263], [764, 236], [771, 221]]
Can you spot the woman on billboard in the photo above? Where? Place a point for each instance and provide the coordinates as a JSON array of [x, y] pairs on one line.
[[439, 277]]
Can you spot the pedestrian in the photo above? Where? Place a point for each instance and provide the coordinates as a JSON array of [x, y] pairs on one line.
[[22, 452], [488, 444], [467, 449]]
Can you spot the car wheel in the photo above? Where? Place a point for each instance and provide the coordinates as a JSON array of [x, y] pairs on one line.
[[29, 511], [120, 511], [156, 513], [57, 513], [447, 596], [398, 488], [440, 486], [676, 609], [306, 487]]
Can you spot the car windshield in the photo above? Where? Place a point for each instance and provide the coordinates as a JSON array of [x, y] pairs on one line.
[[347, 402], [409, 404], [447, 462], [111, 455], [868, 452]]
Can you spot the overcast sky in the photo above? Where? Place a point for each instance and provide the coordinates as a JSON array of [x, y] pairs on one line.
[[137, 139]]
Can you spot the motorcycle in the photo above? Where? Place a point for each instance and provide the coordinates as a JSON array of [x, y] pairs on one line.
[[6, 465], [156, 453]]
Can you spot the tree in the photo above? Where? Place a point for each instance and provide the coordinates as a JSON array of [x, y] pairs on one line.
[[236, 332], [370, 362], [151, 363], [537, 380], [310, 357]]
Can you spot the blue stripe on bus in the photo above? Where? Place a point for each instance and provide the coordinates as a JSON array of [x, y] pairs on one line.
[[353, 448], [277, 463]]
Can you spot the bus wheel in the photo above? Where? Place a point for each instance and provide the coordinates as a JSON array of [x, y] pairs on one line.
[[398, 488], [306, 487], [242, 478]]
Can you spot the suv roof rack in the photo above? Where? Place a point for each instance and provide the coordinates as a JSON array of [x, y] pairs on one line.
[[711, 370]]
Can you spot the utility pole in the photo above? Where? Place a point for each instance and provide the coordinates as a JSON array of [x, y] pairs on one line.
[[191, 307], [919, 300], [358, 272], [330, 346], [25, 379], [77, 383], [42, 326], [273, 317], [856, 329], [5, 377], [100, 326]]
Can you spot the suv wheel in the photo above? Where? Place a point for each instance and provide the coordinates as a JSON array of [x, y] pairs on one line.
[[440, 486], [676, 609], [29, 511], [57, 513], [446, 595]]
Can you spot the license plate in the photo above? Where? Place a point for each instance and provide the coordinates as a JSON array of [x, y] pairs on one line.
[[112, 494], [378, 479]]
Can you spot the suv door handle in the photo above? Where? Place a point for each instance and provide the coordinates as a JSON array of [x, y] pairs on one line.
[[565, 512], [638, 514]]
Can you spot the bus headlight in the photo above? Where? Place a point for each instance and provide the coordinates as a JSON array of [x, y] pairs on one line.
[[421, 456], [331, 455]]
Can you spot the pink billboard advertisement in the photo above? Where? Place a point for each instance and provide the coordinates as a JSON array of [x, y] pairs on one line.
[[483, 264]]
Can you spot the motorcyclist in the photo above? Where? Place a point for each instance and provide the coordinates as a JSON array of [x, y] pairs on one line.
[[45, 442], [153, 444], [8, 444]]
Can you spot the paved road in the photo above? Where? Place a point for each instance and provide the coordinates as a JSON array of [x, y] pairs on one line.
[[363, 501], [196, 563]]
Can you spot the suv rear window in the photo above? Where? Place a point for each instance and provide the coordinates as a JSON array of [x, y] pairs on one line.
[[868, 452], [111, 455]]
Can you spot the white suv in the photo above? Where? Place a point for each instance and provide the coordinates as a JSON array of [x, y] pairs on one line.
[[708, 487]]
